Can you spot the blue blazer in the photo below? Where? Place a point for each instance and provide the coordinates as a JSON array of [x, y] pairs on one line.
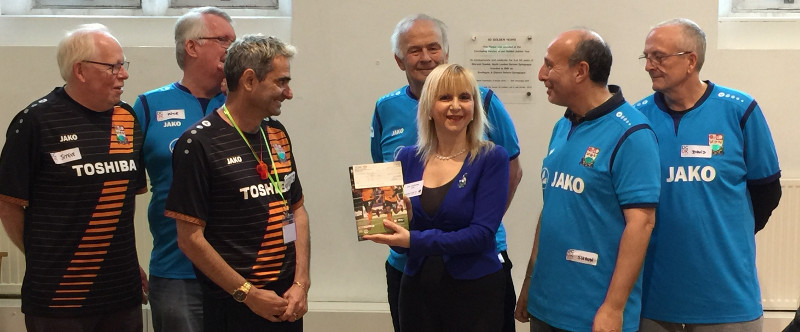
[[462, 230]]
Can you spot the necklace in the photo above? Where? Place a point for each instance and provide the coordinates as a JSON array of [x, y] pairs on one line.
[[441, 157]]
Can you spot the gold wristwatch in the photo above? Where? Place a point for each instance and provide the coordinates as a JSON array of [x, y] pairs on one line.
[[240, 294]]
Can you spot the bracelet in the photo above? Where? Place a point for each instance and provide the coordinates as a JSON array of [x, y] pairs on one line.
[[301, 286]]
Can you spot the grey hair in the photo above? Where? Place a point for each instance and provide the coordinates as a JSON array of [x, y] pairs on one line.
[[447, 78], [192, 25], [694, 37], [255, 52], [78, 45], [405, 24]]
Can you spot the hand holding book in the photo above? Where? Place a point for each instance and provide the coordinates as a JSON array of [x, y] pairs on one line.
[[378, 198], [400, 238]]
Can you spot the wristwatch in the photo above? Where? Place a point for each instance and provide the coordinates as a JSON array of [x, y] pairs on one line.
[[240, 294]]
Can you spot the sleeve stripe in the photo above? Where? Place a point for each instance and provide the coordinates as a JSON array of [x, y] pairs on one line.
[[747, 114], [623, 138], [638, 205], [765, 180], [185, 218]]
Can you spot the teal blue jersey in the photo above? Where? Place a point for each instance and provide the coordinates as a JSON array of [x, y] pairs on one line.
[[595, 168], [700, 266], [165, 113]]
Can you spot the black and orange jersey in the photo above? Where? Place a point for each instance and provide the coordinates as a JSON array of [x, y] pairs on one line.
[[216, 185], [367, 194], [77, 172], [389, 194]]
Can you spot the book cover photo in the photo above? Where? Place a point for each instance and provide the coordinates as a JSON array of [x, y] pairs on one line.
[[377, 196]]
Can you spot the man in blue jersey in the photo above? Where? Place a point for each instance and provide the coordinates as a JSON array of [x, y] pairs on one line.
[[202, 37], [720, 183], [420, 44], [600, 188]]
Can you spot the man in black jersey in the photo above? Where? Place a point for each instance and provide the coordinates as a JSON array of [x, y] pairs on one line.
[[71, 168], [238, 202]]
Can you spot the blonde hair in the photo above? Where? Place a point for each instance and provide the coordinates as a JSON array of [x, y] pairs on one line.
[[448, 78]]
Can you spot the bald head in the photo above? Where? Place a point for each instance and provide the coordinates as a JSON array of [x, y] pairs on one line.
[[587, 46], [576, 69]]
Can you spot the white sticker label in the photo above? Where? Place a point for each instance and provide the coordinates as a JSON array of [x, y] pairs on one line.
[[695, 151], [289, 233], [170, 114], [66, 156], [413, 189], [583, 257]]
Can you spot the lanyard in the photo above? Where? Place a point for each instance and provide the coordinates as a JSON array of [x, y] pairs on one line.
[[261, 168]]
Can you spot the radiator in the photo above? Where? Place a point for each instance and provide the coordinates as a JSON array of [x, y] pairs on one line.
[[778, 252]]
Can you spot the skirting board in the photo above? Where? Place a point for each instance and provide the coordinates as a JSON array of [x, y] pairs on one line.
[[336, 316]]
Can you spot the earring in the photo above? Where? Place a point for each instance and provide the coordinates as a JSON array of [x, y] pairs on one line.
[[430, 118]]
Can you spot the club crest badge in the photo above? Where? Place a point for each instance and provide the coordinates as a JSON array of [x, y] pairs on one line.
[[590, 156], [715, 142], [280, 152], [119, 131]]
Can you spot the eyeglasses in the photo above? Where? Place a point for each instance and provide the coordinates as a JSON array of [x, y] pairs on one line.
[[115, 67], [222, 40], [658, 59]]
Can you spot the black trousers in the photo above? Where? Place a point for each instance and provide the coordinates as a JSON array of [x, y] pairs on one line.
[[227, 315], [393, 277], [434, 301], [126, 320], [537, 325]]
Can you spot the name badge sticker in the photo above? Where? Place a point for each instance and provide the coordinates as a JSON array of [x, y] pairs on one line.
[[583, 257], [413, 189], [170, 114], [66, 156], [289, 229], [695, 151]]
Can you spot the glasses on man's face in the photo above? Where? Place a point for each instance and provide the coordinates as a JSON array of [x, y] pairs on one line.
[[658, 59], [115, 67], [222, 40]]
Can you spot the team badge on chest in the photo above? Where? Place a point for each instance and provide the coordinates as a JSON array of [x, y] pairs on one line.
[[590, 156], [280, 152], [120, 133], [715, 142]]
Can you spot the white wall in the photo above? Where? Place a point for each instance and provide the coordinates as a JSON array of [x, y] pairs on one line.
[[345, 62]]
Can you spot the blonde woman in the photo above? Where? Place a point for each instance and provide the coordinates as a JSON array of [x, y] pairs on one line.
[[453, 280]]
